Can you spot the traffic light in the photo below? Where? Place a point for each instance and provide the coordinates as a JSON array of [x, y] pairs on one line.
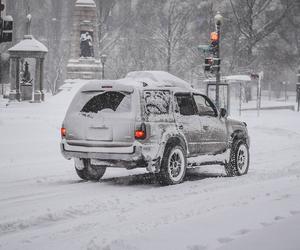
[[7, 29], [212, 64], [216, 64], [214, 42], [208, 62], [6, 26], [254, 76]]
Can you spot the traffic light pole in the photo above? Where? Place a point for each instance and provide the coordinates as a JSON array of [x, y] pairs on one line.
[[6, 24], [1, 9], [298, 90], [218, 74]]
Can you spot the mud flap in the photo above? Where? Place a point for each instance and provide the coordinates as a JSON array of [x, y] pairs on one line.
[[78, 163], [154, 165]]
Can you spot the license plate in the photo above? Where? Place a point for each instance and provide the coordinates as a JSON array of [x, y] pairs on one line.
[[99, 134]]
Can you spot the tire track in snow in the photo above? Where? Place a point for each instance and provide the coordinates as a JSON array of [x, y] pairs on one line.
[[123, 210]]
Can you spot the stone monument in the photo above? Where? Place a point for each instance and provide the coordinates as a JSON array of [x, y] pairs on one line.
[[84, 54], [23, 84]]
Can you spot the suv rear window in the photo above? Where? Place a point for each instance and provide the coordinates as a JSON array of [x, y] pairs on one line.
[[108, 101], [156, 102]]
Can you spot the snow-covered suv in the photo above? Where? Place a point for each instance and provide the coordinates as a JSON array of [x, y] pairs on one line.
[[150, 120]]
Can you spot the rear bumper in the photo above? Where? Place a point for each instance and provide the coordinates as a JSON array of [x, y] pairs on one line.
[[125, 157]]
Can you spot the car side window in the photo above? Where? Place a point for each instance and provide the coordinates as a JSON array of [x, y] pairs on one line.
[[186, 104], [204, 106]]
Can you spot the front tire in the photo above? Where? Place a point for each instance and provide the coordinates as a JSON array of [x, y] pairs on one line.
[[239, 159], [86, 171], [173, 166]]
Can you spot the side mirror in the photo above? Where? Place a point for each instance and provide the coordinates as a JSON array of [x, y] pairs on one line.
[[223, 112]]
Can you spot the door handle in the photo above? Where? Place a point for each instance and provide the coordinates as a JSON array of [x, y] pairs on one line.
[[180, 126]]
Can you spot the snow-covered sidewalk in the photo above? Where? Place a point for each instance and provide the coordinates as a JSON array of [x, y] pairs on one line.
[[43, 204]]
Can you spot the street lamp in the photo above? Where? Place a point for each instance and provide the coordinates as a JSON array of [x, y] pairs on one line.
[[218, 18], [218, 22], [28, 17], [285, 85], [298, 90], [103, 58]]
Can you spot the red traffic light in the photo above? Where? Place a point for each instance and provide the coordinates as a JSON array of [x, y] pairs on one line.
[[214, 36]]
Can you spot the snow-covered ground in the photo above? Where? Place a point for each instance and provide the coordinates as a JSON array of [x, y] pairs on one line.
[[43, 204]]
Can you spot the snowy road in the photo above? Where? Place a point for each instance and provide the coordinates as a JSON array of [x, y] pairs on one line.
[[43, 204]]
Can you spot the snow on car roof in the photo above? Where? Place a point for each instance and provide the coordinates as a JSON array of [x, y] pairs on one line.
[[124, 84], [158, 79], [140, 80], [102, 85]]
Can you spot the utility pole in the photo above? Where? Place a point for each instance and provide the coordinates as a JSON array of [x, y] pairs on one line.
[[103, 59], [2, 7], [212, 64], [218, 21], [298, 90], [6, 24]]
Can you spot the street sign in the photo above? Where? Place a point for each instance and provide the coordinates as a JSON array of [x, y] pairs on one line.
[[204, 48]]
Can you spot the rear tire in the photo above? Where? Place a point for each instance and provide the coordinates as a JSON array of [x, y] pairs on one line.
[[239, 159], [173, 166], [86, 171]]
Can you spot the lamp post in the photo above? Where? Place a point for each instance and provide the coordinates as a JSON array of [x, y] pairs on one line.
[[285, 90], [28, 17], [218, 22], [103, 58], [298, 90]]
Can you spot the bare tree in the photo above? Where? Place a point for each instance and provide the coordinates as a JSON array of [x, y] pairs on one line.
[[104, 10], [171, 31], [255, 20]]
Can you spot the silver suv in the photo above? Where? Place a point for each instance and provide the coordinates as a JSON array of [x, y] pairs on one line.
[[150, 120]]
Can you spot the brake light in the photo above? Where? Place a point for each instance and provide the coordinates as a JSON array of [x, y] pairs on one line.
[[140, 134], [63, 132]]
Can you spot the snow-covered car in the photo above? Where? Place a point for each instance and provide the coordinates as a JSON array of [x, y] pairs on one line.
[[150, 120]]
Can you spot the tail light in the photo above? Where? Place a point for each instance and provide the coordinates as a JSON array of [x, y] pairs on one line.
[[140, 133], [63, 132]]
